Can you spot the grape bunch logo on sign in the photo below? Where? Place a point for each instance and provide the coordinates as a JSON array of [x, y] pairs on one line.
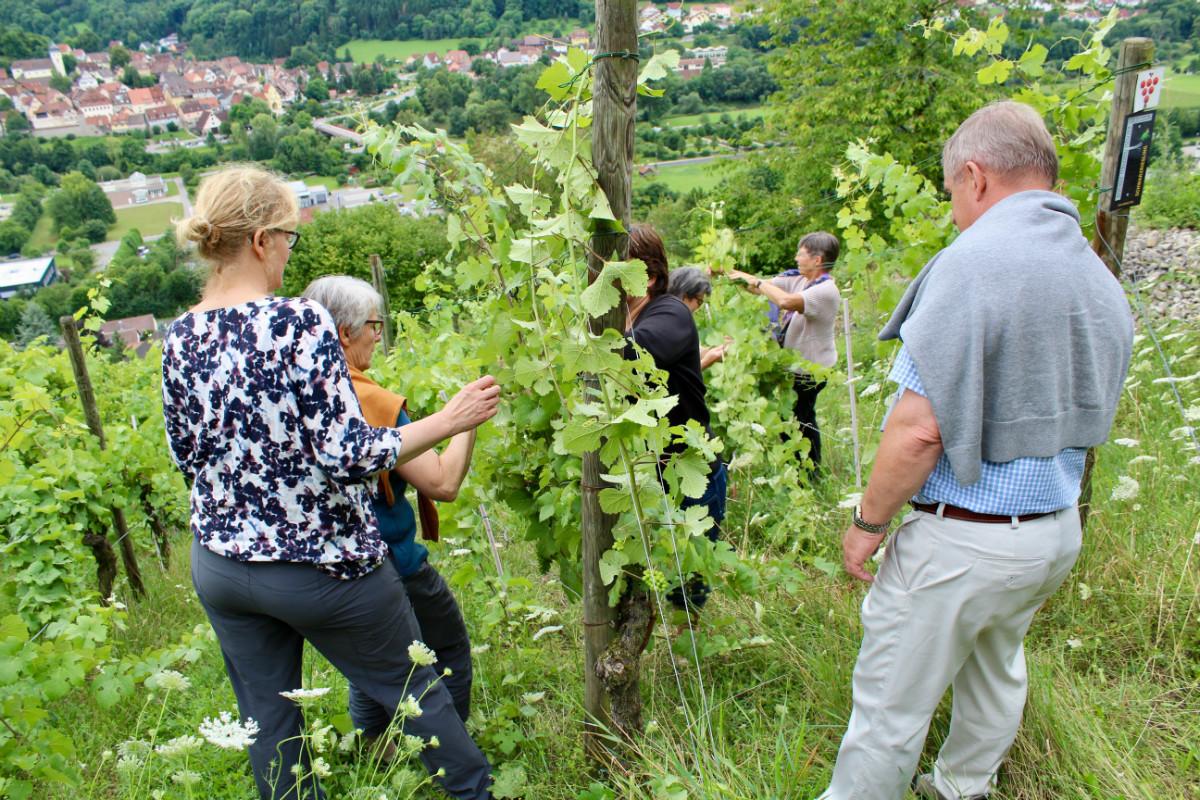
[[1149, 89]]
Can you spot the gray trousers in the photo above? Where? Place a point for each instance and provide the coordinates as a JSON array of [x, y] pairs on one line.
[[263, 612], [442, 628], [950, 606]]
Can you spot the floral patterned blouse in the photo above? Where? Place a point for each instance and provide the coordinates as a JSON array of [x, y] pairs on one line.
[[262, 419]]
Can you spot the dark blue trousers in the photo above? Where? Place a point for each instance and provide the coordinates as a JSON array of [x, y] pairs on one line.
[[263, 612], [443, 630]]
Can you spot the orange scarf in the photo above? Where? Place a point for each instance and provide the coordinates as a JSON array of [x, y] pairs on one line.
[[381, 409]]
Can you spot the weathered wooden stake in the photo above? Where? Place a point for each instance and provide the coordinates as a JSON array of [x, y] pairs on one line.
[[614, 106], [853, 395], [1109, 239], [377, 278], [91, 413]]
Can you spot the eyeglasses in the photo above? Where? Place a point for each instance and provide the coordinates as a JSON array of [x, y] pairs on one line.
[[376, 326], [293, 237]]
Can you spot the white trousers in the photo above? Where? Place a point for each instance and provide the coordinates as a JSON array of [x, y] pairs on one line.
[[950, 606]]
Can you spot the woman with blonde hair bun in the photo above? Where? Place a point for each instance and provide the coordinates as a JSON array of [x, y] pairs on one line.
[[262, 420]]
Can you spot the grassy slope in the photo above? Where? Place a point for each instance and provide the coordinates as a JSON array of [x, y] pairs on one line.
[[1113, 658], [1181, 91], [366, 50], [685, 177], [683, 120]]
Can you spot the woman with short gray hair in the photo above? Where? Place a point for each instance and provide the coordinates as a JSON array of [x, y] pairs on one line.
[[356, 309], [693, 287], [807, 301]]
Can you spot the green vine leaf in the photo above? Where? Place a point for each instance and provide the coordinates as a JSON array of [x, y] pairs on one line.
[[603, 294]]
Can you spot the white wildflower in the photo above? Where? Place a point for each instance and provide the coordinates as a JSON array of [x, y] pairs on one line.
[[169, 680], [421, 655], [1192, 413], [1196, 538], [758, 429], [413, 744], [1182, 432], [869, 390], [1074, 644], [323, 736], [321, 768], [1142, 460], [851, 500], [480, 649], [435, 741], [1085, 592], [462, 551], [229, 733], [300, 695], [1126, 488], [1126, 442], [179, 746], [529, 698], [186, 777], [548, 629], [347, 742], [409, 708], [131, 753]]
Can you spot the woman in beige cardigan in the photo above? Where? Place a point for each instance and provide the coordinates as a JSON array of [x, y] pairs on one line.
[[808, 304]]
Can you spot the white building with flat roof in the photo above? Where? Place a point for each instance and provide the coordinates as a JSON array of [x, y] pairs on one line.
[[27, 275], [309, 196]]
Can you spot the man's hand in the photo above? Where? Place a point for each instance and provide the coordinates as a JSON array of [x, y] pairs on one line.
[[857, 547]]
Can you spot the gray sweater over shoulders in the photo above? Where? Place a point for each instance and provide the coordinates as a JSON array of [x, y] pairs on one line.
[[1021, 336]]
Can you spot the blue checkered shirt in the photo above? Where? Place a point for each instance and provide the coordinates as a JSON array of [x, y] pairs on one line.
[[1020, 486]]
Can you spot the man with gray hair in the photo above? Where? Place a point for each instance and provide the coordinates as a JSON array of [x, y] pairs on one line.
[[1015, 344]]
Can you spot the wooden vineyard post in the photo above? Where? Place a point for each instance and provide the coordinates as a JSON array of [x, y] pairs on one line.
[[377, 278], [614, 105], [1111, 226], [98, 540]]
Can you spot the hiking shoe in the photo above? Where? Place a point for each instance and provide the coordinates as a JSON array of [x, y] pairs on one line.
[[924, 788]]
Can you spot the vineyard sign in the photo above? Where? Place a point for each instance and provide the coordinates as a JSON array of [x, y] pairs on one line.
[[1134, 157]]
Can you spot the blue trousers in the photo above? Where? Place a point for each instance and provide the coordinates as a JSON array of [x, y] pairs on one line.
[[263, 612], [697, 590], [443, 630]]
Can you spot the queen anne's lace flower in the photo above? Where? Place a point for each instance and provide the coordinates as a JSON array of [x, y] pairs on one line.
[[1126, 488], [186, 777], [179, 746], [409, 708], [228, 733], [170, 680], [421, 655]]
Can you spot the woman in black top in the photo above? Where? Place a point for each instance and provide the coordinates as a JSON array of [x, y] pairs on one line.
[[663, 325]]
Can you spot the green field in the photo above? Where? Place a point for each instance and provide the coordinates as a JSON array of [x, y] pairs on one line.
[[683, 120], [1181, 91], [43, 236], [150, 220], [328, 181], [365, 51], [685, 177]]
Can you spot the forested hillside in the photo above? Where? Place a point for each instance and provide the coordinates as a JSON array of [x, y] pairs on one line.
[[270, 28]]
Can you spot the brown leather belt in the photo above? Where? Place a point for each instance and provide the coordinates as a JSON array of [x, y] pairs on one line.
[[967, 515]]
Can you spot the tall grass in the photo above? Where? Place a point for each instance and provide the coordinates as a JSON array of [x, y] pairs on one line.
[[1114, 657]]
